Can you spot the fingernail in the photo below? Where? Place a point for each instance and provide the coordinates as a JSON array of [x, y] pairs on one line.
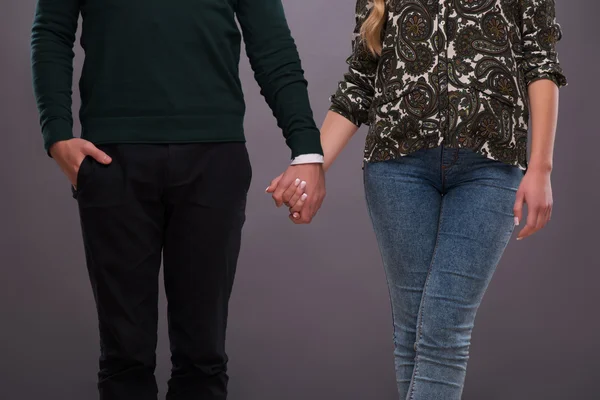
[[303, 197], [267, 189], [297, 182], [516, 221], [519, 238], [296, 215], [302, 185]]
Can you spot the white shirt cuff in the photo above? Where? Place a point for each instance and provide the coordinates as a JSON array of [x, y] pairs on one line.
[[308, 159]]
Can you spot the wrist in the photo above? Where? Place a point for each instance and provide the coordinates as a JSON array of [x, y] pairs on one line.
[[544, 166], [59, 147], [54, 148]]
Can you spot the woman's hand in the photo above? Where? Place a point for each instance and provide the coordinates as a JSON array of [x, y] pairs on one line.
[[535, 191]]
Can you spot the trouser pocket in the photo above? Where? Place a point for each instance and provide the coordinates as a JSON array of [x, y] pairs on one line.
[[84, 170]]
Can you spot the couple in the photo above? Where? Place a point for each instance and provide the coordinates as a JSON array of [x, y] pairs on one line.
[[161, 171]]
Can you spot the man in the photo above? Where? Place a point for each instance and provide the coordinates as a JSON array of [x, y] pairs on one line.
[[161, 169]]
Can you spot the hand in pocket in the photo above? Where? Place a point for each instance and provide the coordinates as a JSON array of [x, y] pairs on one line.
[[69, 154]]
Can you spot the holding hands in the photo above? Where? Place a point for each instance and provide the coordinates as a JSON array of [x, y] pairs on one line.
[[301, 188]]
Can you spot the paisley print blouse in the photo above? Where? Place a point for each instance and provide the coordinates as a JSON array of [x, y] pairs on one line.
[[451, 71]]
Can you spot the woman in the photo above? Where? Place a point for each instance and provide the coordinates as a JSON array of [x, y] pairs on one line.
[[447, 88]]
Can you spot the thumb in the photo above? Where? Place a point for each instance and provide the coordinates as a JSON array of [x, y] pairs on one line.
[[273, 186], [518, 207], [97, 154]]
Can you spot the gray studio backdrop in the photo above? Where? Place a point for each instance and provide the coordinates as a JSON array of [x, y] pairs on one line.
[[310, 315]]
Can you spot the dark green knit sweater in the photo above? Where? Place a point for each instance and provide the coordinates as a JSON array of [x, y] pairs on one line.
[[166, 71]]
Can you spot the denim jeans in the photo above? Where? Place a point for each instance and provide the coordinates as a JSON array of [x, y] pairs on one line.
[[442, 218]]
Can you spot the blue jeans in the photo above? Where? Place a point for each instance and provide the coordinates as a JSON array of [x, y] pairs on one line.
[[442, 218]]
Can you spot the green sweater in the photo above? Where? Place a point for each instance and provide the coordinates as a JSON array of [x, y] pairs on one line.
[[166, 71]]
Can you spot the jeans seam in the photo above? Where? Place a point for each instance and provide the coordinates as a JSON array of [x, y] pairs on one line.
[[420, 316]]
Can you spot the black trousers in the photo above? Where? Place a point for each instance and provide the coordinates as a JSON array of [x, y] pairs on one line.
[[186, 203]]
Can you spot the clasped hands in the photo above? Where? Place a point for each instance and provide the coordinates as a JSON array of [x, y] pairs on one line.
[[301, 188]]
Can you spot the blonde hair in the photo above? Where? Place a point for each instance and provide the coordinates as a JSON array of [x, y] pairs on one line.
[[372, 27]]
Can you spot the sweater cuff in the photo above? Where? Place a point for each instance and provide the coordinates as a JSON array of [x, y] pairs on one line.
[[308, 159], [56, 130], [305, 142]]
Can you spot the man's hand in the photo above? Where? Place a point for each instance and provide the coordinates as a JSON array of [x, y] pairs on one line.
[[70, 153], [301, 188]]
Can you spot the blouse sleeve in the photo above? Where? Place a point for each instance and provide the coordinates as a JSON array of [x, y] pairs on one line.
[[541, 33], [355, 92]]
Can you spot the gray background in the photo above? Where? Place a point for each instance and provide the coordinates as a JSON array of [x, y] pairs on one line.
[[310, 315]]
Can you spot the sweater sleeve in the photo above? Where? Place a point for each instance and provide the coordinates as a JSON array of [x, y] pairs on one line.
[[355, 92], [277, 68], [52, 39], [540, 34]]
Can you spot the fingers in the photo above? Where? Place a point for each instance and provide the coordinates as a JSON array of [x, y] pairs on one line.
[[273, 185], [530, 228], [286, 189], [307, 213], [296, 219], [303, 211], [544, 217], [295, 210], [299, 219], [518, 207], [537, 218], [312, 204], [302, 218], [318, 202], [71, 169], [289, 192], [282, 186], [298, 191], [97, 154]]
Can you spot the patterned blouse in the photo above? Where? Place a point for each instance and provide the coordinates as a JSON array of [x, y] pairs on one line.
[[451, 71]]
